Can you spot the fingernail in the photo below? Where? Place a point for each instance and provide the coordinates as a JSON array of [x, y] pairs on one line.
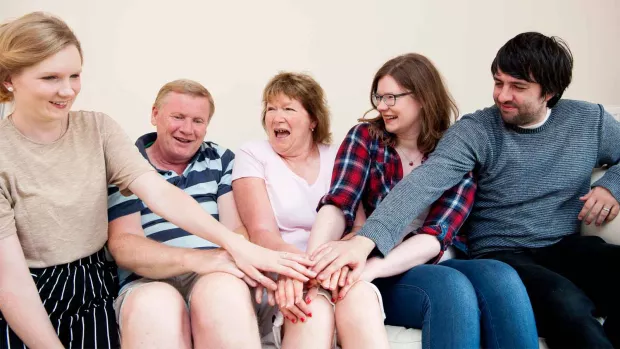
[[294, 321], [309, 314], [333, 299], [303, 319], [308, 300], [339, 298]]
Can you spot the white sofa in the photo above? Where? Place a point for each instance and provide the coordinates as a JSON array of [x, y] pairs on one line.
[[402, 338]]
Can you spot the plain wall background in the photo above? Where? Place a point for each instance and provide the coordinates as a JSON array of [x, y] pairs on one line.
[[234, 47]]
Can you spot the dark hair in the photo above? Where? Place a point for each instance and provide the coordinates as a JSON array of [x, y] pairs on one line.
[[534, 57], [417, 74]]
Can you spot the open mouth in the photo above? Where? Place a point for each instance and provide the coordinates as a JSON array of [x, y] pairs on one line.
[[183, 140], [389, 117], [281, 133]]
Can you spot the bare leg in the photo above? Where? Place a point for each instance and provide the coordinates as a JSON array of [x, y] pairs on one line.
[[222, 313], [359, 319], [155, 316], [316, 333]]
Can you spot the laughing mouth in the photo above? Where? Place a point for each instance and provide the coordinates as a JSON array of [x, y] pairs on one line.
[[281, 133], [60, 104], [182, 140]]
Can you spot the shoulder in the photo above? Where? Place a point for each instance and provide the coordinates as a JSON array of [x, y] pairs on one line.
[[576, 108], [214, 151], [360, 131], [259, 149]]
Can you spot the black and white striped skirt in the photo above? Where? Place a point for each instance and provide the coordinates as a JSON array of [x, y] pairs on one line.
[[79, 298]]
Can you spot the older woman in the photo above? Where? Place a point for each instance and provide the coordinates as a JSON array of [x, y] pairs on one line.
[[277, 185], [55, 166]]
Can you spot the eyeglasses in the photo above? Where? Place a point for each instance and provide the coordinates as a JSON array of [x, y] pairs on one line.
[[388, 99]]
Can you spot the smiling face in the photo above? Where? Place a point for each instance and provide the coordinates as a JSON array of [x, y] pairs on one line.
[[288, 125], [181, 122], [404, 116], [46, 91], [519, 101]]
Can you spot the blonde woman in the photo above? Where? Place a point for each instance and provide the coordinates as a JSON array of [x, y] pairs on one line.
[[55, 165]]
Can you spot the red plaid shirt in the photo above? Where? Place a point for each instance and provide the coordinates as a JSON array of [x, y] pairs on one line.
[[366, 170]]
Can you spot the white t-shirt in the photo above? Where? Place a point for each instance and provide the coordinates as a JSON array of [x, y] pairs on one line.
[[293, 200]]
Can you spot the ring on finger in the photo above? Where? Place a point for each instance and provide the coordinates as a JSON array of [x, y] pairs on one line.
[[606, 209]]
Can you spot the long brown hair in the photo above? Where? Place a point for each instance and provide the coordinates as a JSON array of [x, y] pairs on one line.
[[417, 74]]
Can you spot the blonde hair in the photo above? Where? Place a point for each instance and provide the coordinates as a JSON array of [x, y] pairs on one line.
[[28, 40], [309, 93], [186, 87]]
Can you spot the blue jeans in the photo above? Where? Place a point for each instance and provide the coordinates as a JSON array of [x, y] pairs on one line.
[[458, 303]]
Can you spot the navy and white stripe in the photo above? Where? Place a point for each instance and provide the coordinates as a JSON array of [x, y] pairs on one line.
[[78, 298], [207, 177]]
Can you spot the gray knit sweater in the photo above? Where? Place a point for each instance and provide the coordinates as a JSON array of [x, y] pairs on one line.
[[529, 180]]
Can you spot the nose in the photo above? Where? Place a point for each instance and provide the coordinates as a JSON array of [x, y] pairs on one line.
[[504, 94], [381, 106], [186, 126], [66, 90]]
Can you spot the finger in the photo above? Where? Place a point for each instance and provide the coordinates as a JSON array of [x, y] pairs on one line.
[[256, 275], [298, 287], [594, 212], [295, 257], [311, 295], [587, 207], [613, 213], [271, 297], [322, 263], [319, 250], [297, 267], [289, 272], [335, 294], [297, 313], [603, 215], [288, 315], [344, 291], [258, 294], [290, 294], [587, 196], [281, 293], [355, 274], [234, 270], [343, 276], [249, 281], [305, 308], [336, 264], [333, 283]]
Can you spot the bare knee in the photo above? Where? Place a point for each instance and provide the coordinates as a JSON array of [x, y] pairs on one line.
[[359, 301], [155, 301], [316, 332], [218, 289]]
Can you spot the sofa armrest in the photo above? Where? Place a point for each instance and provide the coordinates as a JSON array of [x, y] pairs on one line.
[[610, 232]]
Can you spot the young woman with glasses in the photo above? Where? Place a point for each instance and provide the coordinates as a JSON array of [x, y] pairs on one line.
[[456, 302]]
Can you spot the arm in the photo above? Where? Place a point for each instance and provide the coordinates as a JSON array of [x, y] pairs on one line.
[[134, 251], [229, 216], [339, 209], [20, 302], [463, 146], [257, 215]]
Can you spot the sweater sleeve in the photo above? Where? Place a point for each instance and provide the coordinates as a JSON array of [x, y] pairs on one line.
[[464, 146], [609, 154]]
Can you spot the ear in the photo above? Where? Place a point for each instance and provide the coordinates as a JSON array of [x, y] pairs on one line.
[[548, 96], [154, 113], [313, 124]]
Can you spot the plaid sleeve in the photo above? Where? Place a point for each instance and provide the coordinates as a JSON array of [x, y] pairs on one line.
[[350, 173], [448, 213], [120, 205]]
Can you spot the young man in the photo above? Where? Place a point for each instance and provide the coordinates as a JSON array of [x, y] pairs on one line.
[[177, 288], [533, 156]]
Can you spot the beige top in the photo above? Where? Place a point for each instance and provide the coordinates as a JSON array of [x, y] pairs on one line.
[[54, 196]]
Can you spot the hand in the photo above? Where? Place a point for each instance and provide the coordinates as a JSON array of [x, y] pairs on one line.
[[334, 255], [372, 270], [336, 282], [251, 258], [258, 295], [289, 298], [600, 205], [217, 260]]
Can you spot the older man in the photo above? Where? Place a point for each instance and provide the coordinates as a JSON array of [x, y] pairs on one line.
[[177, 288]]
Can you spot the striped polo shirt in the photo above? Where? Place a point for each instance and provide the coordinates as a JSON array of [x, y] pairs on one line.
[[206, 178]]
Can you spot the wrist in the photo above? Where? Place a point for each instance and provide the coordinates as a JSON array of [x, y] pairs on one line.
[[366, 245]]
